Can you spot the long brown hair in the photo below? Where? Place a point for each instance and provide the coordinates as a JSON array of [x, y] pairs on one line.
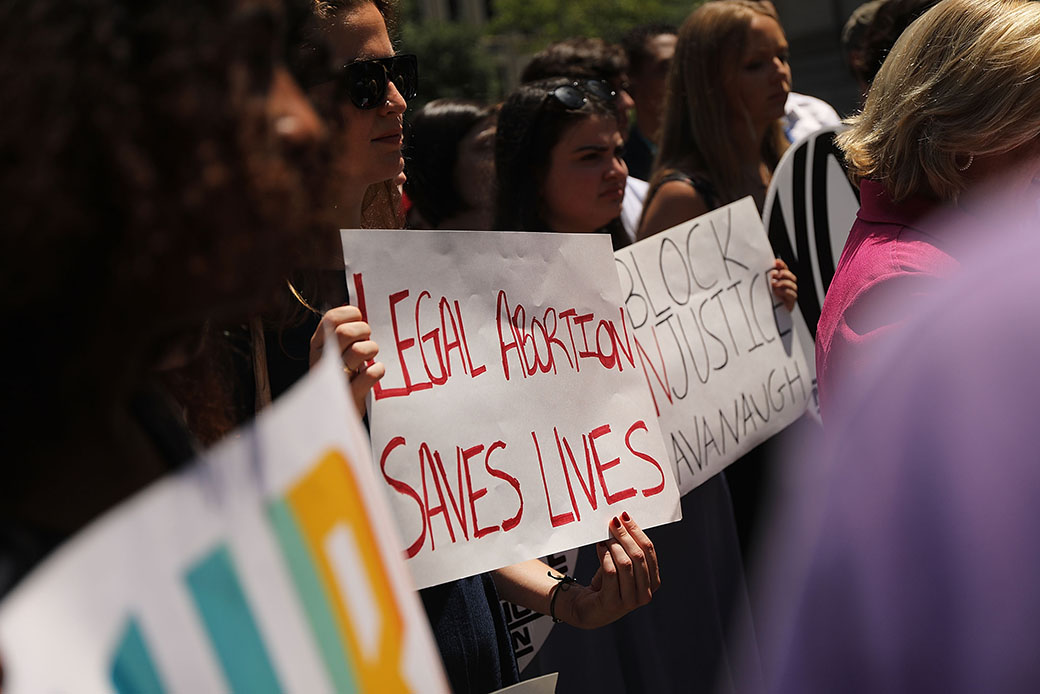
[[696, 135]]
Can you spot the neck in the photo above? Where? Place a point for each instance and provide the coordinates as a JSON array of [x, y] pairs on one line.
[[476, 219], [566, 228], [648, 125], [348, 212]]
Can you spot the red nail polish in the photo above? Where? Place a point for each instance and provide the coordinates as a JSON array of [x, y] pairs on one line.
[[625, 517], [617, 522]]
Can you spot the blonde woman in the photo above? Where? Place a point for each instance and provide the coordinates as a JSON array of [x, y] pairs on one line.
[[956, 103]]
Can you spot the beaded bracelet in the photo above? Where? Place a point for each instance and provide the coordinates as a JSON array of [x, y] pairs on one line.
[[564, 584]]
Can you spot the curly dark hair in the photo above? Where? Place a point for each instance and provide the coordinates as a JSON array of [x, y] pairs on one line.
[[635, 40], [888, 24], [144, 195], [578, 58]]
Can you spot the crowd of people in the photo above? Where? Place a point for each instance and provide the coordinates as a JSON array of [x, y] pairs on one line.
[[176, 174]]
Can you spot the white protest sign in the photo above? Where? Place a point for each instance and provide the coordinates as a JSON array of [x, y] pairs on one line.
[[512, 422], [716, 350], [270, 565], [809, 210]]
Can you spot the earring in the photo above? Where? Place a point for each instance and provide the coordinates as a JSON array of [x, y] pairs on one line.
[[971, 158]]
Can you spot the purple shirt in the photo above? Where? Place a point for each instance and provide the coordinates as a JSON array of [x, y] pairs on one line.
[[918, 570]]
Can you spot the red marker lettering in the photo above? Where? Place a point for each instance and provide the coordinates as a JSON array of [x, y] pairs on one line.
[[603, 467], [402, 488]]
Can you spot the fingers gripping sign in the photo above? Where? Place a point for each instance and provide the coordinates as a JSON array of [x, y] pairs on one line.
[[354, 341], [627, 577], [784, 284]]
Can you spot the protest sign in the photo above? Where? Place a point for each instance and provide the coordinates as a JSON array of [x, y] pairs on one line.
[[512, 422], [716, 349], [270, 565], [809, 210]]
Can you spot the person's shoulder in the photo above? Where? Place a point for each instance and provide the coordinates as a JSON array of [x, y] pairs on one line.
[[674, 201]]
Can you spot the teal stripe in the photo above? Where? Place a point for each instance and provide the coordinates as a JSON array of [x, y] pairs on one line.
[[133, 671], [229, 622], [312, 595]]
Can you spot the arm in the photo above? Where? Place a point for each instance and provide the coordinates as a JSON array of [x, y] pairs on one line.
[[627, 578], [674, 202], [784, 284], [356, 345]]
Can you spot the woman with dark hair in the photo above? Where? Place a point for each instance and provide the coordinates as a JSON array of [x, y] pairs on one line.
[[152, 153], [558, 160], [450, 162]]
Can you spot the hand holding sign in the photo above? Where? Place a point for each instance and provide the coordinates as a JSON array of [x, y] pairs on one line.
[[627, 578], [785, 285], [357, 347]]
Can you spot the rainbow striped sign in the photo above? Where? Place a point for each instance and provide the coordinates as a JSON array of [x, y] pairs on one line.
[[271, 565]]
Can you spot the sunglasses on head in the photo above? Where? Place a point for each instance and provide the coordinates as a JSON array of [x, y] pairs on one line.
[[365, 82], [575, 95]]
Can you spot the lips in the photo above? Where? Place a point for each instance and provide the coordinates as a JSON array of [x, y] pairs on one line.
[[613, 193], [390, 138]]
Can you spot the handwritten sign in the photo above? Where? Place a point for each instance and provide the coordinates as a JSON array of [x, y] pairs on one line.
[[270, 565], [511, 422], [809, 210], [716, 351]]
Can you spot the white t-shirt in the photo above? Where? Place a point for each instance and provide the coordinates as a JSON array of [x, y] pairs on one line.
[[806, 114], [632, 205]]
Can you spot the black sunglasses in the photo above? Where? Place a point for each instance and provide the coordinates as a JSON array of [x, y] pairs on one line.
[[365, 82], [573, 96]]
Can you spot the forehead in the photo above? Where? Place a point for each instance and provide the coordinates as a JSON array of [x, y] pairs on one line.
[[356, 34], [661, 47], [764, 33], [593, 130]]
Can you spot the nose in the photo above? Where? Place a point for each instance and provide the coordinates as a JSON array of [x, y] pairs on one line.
[[292, 117], [618, 169], [395, 102], [625, 101]]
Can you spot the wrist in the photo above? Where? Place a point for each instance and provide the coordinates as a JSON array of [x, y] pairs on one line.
[[559, 600]]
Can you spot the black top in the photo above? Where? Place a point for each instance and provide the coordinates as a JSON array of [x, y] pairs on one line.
[[639, 154], [702, 186]]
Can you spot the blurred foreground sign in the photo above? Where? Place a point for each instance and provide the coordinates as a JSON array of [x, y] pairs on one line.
[[512, 422], [271, 565]]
